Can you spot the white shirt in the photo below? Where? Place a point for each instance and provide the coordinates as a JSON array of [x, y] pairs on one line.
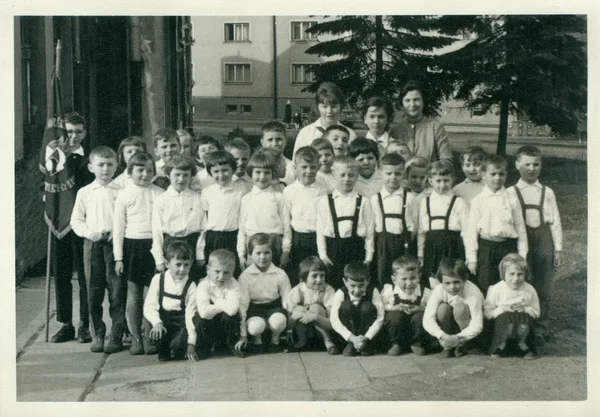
[[345, 205], [303, 296], [392, 204], [93, 209], [307, 135], [174, 287], [327, 181], [389, 290], [468, 189], [383, 141], [123, 180], [222, 206], [245, 180], [160, 165], [202, 180], [133, 215], [265, 287], [178, 215], [470, 295], [439, 205], [532, 194], [369, 187], [300, 209], [229, 299], [290, 173], [261, 211], [342, 330], [497, 217], [501, 295]]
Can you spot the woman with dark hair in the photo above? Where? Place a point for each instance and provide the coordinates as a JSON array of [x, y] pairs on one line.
[[425, 137]]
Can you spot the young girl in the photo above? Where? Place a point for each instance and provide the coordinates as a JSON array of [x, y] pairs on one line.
[[127, 148], [454, 314], [268, 287], [309, 304], [378, 114], [132, 240], [513, 305], [442, 217]]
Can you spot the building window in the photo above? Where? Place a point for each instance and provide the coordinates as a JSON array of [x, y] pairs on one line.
[[238, 73], [237, 32], [302, 73], [231, 108], [246, 109], [298, 31]]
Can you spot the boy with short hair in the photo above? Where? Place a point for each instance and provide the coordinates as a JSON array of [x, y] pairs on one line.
[[470, 161], [366, 153], [300, 201], [543, 225], [357, 311], [92, 219], [207, 145], [496, 226], [330, 100], [339, 136], [219, 301], [378, 114], [344, 222], [392, 208], [274, 138], [323, 146], [166, 146], [170, 305], [241, 152]]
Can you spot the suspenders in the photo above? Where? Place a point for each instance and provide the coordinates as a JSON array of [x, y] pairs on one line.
[[162, 293], [417, 302], [525, 207], [446, 218], [401, 216], [336, 219]]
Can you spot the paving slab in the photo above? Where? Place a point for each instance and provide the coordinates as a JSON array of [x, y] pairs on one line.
[[281, 372], [384, 366], [217, 377], [333, 372]]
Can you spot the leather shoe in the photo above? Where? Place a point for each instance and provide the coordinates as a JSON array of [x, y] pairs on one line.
[[83, 335], [66, 333]]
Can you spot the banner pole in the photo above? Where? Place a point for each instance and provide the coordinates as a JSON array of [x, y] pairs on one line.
[[48, 260]]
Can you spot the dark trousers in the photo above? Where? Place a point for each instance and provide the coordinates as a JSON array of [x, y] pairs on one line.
[[358, 319], [406, 329], [175, 339], [540, 259], [303, 246], [99, 264], [222, 240], [342, 251], [67, 254], [222, 329], [489, 255], [388, 247]]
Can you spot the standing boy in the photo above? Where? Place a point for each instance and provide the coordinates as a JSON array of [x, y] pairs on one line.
[[323, 146], [470, 161], [166, 146], [207, 145], [378, 113], [92, 219], [366, 153], [339, 137], [241, 153], [274, 138]]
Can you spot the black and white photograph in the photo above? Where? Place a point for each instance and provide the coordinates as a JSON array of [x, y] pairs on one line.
[[286, 213]]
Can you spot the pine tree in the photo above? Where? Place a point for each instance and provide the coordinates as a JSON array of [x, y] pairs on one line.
[[533, 65]]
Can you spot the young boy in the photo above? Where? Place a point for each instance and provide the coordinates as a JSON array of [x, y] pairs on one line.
[[543, 225], [496, 227], [187, 143], [300, 201], [323, 146], [344, 222], [262, 209], [470, 161], [92, 219], [221, 204], [330, 100], [391, 210], [241, 153], [400, 148], [274, 138], [207, 145], [68, 250], [176, 215], [405, 302], [357, 311], [415, 172], [366, 154], [218, 300], [339, 136], [166, 146], [170, 305], [378, 114]]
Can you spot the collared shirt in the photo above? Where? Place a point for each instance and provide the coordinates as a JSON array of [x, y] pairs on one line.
[[494, 216], [123, 180], [303, 296], [160, 168], [468, 189], [178, 215], [392, 204], [369, 187], [175, 287], [417, 199], [290, 173], [345, 205], [500, 295], [202, 180], [389, 290], [532, 194], [307, 135], [327, 181], [245, 180], [222, 206], [424, 138], [229, 299], [133, 215], [342, 330], [265, 287], [383, 141], [300, 209], [439, 205], [470, 295], [94, 208], [261, 211]]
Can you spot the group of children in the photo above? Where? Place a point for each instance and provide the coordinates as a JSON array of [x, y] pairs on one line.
[[247, 245]]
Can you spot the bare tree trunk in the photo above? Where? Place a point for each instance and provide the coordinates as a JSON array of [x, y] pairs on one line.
[[378, 55], [503, 128]]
